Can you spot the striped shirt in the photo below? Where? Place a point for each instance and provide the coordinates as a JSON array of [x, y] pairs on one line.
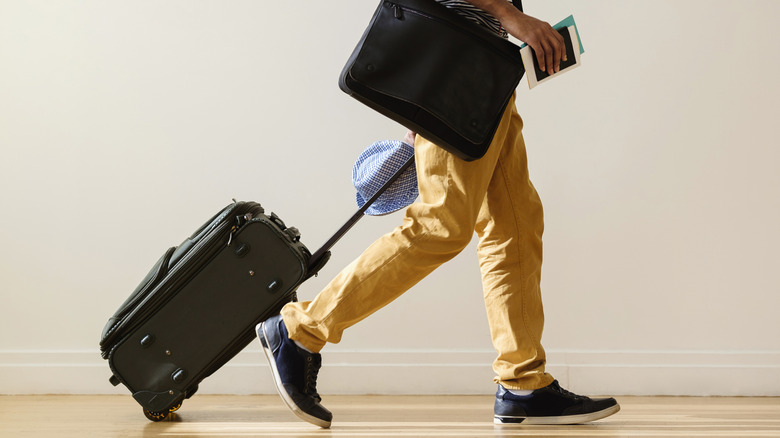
[[475, 14]]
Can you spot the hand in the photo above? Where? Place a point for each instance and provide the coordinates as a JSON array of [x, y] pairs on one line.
[[410, 137], [547, 43]]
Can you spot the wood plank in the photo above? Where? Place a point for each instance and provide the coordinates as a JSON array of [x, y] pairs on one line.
[[377, 416]]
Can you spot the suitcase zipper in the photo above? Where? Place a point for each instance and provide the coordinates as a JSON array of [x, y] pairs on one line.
[[240, 221], [397, 10]]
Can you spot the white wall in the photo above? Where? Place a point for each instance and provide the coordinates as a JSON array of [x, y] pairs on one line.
[[124, 125]]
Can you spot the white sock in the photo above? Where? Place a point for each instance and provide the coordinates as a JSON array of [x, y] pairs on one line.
[[301, 346], [521, 392]]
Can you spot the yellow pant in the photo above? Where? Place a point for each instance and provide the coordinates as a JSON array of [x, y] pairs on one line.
[[492, 196]]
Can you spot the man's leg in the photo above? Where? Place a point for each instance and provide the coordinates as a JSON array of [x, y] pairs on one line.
[[510, 226]]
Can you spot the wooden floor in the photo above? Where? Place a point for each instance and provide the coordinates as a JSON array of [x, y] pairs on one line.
[[376, 416]]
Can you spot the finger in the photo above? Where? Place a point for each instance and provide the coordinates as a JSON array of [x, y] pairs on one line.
[[560, 51], [549, 53], [544, 56], [540, 58], [562, 42]]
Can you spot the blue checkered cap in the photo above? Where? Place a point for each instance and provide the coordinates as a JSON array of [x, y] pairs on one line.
[[373, 169]]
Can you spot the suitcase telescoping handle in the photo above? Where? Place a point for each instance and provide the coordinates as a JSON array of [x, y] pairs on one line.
[[324, 252]]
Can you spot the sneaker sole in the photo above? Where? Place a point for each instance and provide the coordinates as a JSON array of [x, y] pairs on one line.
[[561, 420], [269, 355]]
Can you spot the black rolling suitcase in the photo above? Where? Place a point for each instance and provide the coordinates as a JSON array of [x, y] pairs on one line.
[[199, 304]]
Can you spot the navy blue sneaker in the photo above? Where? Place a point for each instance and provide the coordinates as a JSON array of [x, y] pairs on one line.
[[550, 405], [295, 372]]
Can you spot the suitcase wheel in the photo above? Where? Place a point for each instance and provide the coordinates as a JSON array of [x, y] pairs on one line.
[[160, 416], [155, 416]]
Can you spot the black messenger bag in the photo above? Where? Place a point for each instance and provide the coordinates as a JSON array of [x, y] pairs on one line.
[[435, 72]]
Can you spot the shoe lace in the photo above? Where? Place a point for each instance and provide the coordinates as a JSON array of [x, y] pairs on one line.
[[557, 387], [313, 365]]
